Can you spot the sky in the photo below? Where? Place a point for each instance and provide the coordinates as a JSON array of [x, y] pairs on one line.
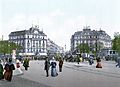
[[59, 19]]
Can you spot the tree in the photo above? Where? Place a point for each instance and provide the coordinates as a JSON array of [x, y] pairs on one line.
[[57, 56], [100, 46], [6, 47], [83, 48], [116, 42]]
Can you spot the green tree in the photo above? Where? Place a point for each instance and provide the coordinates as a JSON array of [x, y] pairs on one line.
[[116, 42], [83, 48], [6, 47], [57, 56], [100, 46]]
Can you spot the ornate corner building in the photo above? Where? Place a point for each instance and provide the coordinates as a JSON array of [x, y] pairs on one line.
[[33, 41]]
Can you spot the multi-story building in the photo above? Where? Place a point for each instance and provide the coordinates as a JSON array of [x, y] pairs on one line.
[[53, 48], [33, 41], [96, 40]]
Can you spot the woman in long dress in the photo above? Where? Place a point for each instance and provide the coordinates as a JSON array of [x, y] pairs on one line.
[[53, 68], [9, 67]]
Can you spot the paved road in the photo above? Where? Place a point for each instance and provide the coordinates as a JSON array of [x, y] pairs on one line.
[[20, 82], [73, 75]]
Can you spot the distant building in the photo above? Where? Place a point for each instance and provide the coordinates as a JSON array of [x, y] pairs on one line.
[[53, 48], [96, 40], [108, 54], [33, 41]]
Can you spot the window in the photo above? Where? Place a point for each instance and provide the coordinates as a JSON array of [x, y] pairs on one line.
[[28, 50], [28, 44], [33, 45]]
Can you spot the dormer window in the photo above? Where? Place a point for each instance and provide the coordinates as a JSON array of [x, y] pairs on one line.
[[35, 31]]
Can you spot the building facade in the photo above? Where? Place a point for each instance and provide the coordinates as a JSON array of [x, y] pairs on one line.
[[53, 48], [33, 41], [96, 40]]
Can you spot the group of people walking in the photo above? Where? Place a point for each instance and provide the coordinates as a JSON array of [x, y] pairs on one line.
[[53, 65], [7, 72]]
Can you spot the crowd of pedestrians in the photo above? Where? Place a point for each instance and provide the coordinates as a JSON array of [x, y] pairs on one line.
[[7, 72], [7, 66], [50, 64]]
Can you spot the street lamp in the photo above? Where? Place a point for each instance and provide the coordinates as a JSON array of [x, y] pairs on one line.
[[9, 49], [96, 45], [77, 51]]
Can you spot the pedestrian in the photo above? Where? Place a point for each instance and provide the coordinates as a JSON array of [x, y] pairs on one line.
[[9, 67], [81, 59], [60, 64], [78, 59], [118, 62], [1, 71], [26, 63], [98, 63], [90, 59], [47, 65], [17, 63], [53, 68]]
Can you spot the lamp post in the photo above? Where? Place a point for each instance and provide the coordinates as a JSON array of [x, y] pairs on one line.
[[64, 50], [96, 45], [77, 53], [9, 50]]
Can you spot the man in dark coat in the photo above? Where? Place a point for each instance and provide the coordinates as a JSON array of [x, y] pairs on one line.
[[26, 63], [9, 67], [60, 65], [47, 65]]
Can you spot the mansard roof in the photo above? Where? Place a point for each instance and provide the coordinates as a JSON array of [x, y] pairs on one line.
[[90, 32], [32, 30]]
